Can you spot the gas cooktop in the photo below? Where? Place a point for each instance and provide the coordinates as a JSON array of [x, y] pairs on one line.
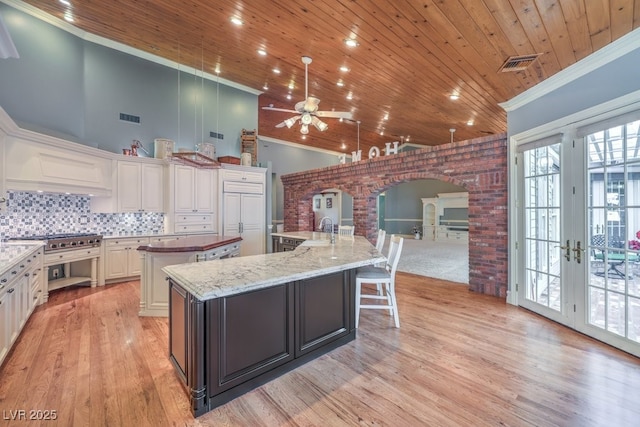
[[65, 241]]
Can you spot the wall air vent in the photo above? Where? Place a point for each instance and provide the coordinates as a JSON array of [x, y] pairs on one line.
[[518, 63], [216, 135], [129, 118]]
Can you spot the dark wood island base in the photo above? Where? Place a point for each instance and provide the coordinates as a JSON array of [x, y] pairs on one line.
[[224, 347]]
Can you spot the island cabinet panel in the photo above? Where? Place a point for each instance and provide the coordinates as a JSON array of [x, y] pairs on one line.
[[178, 329], [323, 313], [223, 347], [251, 333]]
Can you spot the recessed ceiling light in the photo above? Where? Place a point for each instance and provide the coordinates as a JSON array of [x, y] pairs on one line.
[[236, 21], [386, 116], [344, 69], [350, 96], [289, 96], [276, 71], [262, 52], [454, 96], [291, 86], [343, 146], [65, 2], [470, 122], [340, 83], [265, 87], [381, 132], [304, 136], [351, 42], [68, 17]]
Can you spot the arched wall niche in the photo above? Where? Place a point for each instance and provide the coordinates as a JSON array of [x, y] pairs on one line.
[[478, 165]]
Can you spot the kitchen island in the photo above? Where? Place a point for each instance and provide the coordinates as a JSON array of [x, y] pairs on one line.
[[154, 290], [237, 323]]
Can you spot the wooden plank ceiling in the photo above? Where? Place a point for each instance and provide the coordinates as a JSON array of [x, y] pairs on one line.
[[411, 55]]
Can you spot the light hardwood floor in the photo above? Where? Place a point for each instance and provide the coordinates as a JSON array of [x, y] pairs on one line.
[[459, 359]]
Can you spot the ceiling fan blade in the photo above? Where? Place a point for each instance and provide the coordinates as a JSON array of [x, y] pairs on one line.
[[335, 114], [284, 110]]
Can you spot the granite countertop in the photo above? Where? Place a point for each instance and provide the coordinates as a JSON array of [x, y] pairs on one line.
[[12, 253], [224, 277], [190, 244]]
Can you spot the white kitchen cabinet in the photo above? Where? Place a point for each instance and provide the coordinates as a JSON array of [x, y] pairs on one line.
[[154, 289], [140, 187], [122, 259], [4, 325], [194, 189], [241, 174], [193, 197], [244, 208], [17, 290]]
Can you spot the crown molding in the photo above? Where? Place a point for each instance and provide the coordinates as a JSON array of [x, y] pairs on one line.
[[624, 45], [65, 26]]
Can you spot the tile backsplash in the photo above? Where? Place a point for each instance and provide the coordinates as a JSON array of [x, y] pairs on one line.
[[32, 214]]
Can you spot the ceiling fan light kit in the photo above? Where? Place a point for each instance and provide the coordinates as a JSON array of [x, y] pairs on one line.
[[307, 110]]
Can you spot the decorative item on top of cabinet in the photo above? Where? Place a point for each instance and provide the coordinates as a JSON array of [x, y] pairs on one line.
[[249, 144], [193, 198]]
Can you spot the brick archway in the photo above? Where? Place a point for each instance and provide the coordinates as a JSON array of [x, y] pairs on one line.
[[478, 165]]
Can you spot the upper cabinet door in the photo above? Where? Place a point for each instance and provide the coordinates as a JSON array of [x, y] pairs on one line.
[[129, 188], [152, 188], [140, 187], [205, 194], [184, 188]]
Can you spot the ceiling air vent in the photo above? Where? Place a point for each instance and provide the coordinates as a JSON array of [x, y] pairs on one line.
[[518, 63]]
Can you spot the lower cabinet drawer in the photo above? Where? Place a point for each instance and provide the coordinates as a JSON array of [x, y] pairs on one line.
[[193, 219], [193, 228], [73, 255]]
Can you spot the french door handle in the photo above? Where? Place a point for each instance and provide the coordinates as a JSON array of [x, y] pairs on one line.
[[578, 252], [567, 249]]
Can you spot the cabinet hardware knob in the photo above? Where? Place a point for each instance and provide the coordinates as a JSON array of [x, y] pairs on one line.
[[10, 291]]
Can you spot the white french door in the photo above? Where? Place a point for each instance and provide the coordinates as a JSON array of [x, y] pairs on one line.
[[549, 228], [578, 221]]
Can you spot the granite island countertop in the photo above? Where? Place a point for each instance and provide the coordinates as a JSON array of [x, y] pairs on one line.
[[225, 277]]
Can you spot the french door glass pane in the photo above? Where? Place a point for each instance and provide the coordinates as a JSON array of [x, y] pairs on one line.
[[542, 226], [614, 230]]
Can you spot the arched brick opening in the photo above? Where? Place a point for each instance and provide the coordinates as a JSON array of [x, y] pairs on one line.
[[478, 165]]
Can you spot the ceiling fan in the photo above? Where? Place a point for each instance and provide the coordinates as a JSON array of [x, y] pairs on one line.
[[307, 110]]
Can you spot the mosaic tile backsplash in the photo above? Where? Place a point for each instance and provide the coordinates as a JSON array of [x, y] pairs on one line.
[[33, 214]]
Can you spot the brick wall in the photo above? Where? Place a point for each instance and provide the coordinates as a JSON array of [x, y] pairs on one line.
[[479, 165]]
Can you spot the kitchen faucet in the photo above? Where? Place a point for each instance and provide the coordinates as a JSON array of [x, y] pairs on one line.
[[333, 237]]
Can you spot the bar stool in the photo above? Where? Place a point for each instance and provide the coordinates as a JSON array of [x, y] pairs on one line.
[[381, 276]]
